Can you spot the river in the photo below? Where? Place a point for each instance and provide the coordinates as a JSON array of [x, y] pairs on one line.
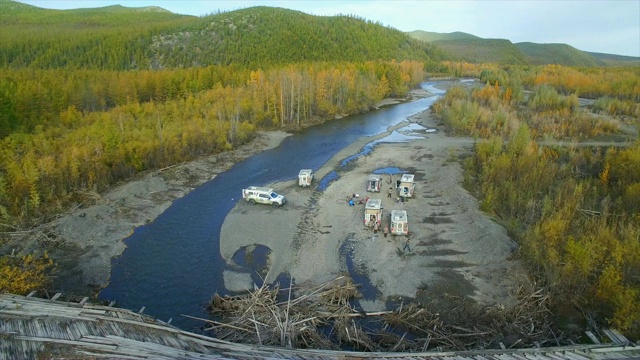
[[172, 266]]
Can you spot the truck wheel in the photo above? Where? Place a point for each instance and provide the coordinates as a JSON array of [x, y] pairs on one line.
[[275, 204], [252, 202]]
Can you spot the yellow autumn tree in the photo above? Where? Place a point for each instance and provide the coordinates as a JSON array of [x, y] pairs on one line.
[[21, 275]]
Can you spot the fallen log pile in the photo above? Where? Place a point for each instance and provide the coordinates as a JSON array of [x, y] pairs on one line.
[[324, 317]]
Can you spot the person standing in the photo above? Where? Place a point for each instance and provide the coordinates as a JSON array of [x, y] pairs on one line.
[[390, 191], [406, 246], [386, 231]]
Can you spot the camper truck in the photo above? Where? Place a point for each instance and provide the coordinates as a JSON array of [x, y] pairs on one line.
[[373, 182], [406, 186], [304, 177], [373, 212], [399, 222], [263, 195]]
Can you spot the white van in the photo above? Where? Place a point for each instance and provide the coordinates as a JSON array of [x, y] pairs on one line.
[[399, 222], [304, 177], [263, 195]]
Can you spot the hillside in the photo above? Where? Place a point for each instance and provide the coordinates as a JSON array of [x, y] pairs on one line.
[[120, 38], [113, 37], [561, 54], [436, 36], [259, 35], [468, 47], [615, 60], [483, 51]]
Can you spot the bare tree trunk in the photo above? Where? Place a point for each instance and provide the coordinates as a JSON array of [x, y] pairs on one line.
[[159, 126], [292, 99], [281, 106]]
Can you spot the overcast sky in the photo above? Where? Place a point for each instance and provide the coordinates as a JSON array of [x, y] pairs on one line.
[[611, 26]]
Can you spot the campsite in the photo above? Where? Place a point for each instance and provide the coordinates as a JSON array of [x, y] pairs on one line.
[[455, 249]]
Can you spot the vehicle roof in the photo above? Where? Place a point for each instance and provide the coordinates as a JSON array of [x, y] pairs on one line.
[[305, 172], [407, 177], [373, 203], [260, 188], [399, 215]]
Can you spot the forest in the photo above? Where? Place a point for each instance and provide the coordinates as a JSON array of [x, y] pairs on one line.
[[79, 115], [574, 210], [119, 38], [60, 141]]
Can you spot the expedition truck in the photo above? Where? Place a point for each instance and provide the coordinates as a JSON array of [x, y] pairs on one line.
[[372, 212], [305, 176], [399, 222], [406, 186], [373, 182]]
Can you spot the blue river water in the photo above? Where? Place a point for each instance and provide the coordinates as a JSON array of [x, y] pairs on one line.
[[172, 266]]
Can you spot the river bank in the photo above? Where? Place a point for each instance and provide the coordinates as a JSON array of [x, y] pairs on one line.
[[84, 240]]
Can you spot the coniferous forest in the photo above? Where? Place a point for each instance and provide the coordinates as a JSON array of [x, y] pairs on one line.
[[92, 97]]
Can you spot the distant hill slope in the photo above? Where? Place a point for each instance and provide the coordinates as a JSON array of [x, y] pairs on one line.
[[616, 60], [118, 38], [562, 54], [466, 47], [484, 51], [435, 36], [112, 37], [17, 13]]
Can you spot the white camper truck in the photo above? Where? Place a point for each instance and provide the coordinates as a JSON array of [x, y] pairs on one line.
[[263, 195], [373, 212], [373, 182], [304, 177], [399, 222], [406, 186]]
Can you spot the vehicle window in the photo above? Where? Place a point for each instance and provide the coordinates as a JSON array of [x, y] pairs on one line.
[[264, 196], [274, 195]]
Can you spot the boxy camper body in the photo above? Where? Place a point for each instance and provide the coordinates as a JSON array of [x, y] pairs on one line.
[[373, 183], [304, 177], [399, 222], [406, 186], [373, 212]]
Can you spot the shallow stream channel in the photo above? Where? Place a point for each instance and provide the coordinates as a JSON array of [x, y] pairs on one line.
[[172, 266]]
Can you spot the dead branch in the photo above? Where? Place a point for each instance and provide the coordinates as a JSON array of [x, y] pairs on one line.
[[323, 318]]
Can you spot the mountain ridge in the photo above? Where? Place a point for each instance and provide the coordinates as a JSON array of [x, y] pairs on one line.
[[121, 38], [468, 47], [117, 37]]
